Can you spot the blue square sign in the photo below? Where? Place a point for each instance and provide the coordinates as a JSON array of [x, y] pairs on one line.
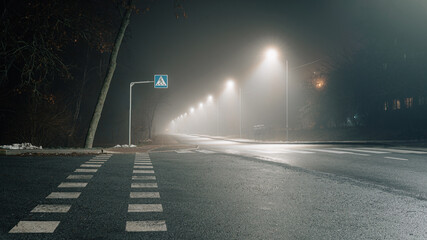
[[160, 81]]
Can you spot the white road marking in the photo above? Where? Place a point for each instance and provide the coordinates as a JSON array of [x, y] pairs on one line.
[[143, 164], [63, 195], [85, 170], [283, 151], [143, 167], [79, 176], [143, 185], [361, 150], [143, 177], [184, 151], [144, 195], [145, 226], [142, 161], [72, 185], [98, 160], [399, 150], [143, 171], [205, 151], [51, 208], [35, 227], [145, 208], [394, 158], [338, 152], [295, 151], [90, 165]]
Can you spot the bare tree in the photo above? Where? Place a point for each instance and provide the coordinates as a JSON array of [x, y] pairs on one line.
[[110, 72]]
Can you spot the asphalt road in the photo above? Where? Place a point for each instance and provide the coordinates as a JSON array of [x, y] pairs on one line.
[[222, 190]]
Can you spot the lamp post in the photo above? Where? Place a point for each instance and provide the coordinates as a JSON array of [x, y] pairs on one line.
[[240, 112], [287, 94], [130, 105], [272, 53], [230, 85]]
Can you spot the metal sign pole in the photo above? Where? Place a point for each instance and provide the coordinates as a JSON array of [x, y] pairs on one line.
[[130, 106]]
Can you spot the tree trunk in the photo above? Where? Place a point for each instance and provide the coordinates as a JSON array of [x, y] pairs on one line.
[[111, 68], [79, 101], [150, 121]]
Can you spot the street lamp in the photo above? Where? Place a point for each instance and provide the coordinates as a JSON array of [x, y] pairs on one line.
[[210, 98], [230, 84], [272, 54], [130, 105]]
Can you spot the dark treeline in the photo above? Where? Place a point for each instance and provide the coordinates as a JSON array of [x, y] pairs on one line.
[[53, 58]]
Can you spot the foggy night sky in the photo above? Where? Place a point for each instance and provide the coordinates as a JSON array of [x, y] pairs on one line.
[[226, 38]]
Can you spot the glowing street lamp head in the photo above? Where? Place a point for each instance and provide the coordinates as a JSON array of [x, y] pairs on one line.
[[191, 110], [210, 98], [230, 84], [271, 54], [200, 105]]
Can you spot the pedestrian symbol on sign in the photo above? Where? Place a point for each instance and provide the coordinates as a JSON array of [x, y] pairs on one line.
[[160, 81]]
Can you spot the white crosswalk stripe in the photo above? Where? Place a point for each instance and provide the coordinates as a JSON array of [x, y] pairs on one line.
[[51, 208], [144, 195], [145, 208], [145, 226], [35, 227], [143, 177], [143, 182], [48, 209], [63, 195]]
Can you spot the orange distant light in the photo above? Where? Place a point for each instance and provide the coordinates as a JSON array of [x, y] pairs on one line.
[[319, 83]]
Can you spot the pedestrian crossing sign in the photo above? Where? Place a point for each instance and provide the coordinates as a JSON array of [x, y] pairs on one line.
[[160, 81]]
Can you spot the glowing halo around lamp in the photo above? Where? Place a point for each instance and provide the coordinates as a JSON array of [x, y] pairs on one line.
[[271, 54], [230, 84]]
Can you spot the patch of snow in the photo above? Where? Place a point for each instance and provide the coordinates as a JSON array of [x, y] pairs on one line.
[[124, 146], [20, 146]]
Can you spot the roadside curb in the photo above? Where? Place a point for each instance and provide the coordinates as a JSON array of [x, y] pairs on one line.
[[69, 151], [389, 143]]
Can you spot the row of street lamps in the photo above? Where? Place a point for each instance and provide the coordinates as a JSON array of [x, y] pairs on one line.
[[270, 54]]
